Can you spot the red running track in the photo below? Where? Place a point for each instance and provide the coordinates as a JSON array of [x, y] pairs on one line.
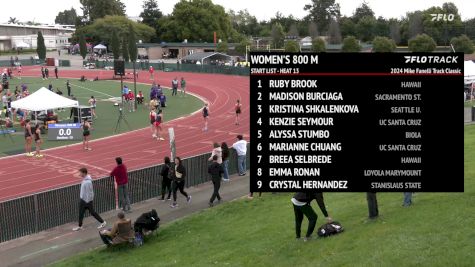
[[20, 175]]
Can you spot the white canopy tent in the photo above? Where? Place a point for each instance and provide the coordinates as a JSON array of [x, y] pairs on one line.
[[44, 99], [469, 72], [100, 47]]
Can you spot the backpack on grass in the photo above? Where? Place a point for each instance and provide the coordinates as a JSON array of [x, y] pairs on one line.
[[329, 229]]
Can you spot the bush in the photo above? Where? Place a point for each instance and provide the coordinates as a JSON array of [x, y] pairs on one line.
[[422, 43], [318, 45], [350, 44], [463, 44], [383, 44], [291, 46]]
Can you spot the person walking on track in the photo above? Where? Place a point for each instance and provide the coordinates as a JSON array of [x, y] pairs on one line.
[[179, 175], [38, 140], [86, 196], [237, 109], [205, 113], [86, 127]]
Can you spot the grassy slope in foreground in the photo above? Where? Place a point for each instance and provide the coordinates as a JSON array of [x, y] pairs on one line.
[[436, 231], [107, 113]]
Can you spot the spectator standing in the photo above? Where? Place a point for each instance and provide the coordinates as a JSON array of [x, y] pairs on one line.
[[183, 86], [225, 154], [407, 199], [47, 73], [19, 71], [301, 202], [372, 205], [241, 148], [86, 200], [131, 101], [166, 181], [122, 179], [174, 86], [163, 100], [56, 72], [179, 175], [217, 151], [215, 170], [151, 71], [43, 74], [93, 103], [68, 86], [28, 138]]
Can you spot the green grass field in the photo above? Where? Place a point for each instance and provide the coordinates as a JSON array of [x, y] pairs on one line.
[[107, 113], [438, 230]]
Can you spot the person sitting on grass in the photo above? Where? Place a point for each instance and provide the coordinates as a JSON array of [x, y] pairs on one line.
[[121, 231], [140, 98]]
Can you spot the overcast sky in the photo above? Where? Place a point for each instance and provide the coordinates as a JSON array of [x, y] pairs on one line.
[[45, 11]]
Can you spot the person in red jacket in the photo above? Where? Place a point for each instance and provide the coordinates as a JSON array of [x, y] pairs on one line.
[[121, 178]]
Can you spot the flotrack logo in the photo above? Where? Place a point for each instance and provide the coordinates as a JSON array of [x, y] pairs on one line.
[[442, 17], [431, 59]]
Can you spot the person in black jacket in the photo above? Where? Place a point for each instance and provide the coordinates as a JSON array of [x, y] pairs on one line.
[[166, 181], [301, 202], [216, 170], [179, 175]]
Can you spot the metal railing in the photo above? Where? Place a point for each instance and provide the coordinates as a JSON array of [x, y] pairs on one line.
[[230, 70], [34, 213]]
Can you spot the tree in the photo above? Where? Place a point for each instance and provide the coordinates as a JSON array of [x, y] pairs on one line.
[[415, 24], [244, 23], [322, 12], [422, 43], [394, 31], [115, 45], [12, 21], [334, 35], [101, 30], [291, 46], [318, 45], [82, 46], [125, 49], [196, 20], [66, 17], [469, 26], [41, 48], [293, 31], [362, 11], [222, 47], [365, 29], [150, 15], [313, 29], [350, 44], [383, 44], [241, 47], [463, 44], [347, 26], [96, 9], [132, 44], [277, 36]]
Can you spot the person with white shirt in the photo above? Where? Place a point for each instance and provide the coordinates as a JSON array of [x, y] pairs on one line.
[[86, 197], [241, 148]]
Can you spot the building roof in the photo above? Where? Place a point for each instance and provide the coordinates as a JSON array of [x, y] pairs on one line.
[[50, 27], [204, 55]]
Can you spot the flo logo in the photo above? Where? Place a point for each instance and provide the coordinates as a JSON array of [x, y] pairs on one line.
[[442, 17]]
